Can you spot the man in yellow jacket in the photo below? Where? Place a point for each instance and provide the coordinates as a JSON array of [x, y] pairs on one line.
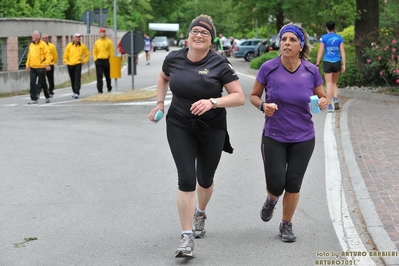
[[76, 54], [53, 61], [37, 62], [102, 52]]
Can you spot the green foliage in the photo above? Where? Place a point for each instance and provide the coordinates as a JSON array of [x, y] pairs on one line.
[[348, 34], [34, 8], [258, 61], [382, 60], [343, 12]]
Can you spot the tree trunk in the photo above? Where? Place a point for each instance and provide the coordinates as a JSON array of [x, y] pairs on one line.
[[366, 26], [279, 19]]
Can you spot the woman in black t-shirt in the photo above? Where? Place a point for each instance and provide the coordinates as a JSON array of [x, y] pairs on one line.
[[196, 122]]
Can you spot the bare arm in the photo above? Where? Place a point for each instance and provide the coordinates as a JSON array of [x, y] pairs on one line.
[[162, 89], [320, 53], [343, 55], [235, 97], [319, 91], [255, 97]]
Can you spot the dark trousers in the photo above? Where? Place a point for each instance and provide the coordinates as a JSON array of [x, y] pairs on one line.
[[285, 164], [50, 79], [196, 154], [102, 68], [35, 87], [75, 73]]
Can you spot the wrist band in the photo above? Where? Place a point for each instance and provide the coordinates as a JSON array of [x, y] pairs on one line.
[[160, 102]]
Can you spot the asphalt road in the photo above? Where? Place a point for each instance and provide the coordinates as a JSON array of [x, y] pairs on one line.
[[96, 184]]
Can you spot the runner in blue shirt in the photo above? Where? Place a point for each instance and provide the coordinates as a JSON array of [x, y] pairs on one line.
[[333, 45]]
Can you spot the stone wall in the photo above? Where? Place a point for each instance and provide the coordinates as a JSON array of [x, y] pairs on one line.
[[60, 33]]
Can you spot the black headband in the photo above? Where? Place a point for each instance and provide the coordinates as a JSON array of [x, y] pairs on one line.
[[202, 23]]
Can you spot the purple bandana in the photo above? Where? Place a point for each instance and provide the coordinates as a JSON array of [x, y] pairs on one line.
[[296, 31]]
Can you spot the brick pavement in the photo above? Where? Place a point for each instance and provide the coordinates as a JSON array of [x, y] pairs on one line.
[[374, 134]]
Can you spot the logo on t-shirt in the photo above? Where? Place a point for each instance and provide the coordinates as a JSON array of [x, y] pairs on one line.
[[234, 72], [204, 72]]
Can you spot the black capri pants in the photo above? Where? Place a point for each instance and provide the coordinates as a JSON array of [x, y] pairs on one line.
[[285, 164], [196, 154]]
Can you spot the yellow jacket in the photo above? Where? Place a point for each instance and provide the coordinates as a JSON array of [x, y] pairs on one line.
[[103, 49], [53, 54], [38, 55], [76, 54]]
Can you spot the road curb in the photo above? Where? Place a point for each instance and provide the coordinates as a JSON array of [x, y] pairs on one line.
[[374, 226], [133, 95]]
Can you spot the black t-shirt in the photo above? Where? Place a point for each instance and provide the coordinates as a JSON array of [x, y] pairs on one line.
[[193, 81]]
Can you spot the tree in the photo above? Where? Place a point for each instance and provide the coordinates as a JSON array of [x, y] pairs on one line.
[[366, 26]]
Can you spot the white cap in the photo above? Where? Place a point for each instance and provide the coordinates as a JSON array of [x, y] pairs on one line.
[[76, 35]]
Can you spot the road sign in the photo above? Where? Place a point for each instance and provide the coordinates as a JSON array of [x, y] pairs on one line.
[[88, 17], [101, 15], [127, 43]]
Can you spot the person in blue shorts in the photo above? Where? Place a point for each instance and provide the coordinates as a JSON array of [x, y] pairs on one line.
[[288, 136], [332, 45]]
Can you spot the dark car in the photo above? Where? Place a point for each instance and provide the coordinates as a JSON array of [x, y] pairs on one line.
[[274, 42], [262, 47], [160, 43], [313, 40], [247, 49]]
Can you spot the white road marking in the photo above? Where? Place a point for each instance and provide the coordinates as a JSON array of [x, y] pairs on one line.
[[343, 225]]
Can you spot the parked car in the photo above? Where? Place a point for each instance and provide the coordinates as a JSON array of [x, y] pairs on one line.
[[274, 42], [313, 40], [160, 43], [247, 49], [262, 47]]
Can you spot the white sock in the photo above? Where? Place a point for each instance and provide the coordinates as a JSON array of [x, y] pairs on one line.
[[199, 212], [187, 232]]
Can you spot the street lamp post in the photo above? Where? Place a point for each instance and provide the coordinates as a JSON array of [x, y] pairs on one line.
[[115, 40]]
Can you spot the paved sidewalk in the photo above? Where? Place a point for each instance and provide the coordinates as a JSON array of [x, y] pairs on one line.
[[370, 123]]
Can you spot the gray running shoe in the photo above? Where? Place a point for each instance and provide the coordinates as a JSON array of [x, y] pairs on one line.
[[186, 246], [266, 214], [286, 233], [199, 226], [33, 102]]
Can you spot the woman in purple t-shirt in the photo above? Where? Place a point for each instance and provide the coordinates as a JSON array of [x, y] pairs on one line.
[[288, 137]]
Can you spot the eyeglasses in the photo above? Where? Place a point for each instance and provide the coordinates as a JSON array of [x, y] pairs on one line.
[[204, 33]]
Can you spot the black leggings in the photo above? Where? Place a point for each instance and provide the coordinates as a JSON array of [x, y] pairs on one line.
[[285, 164], [196, 156]]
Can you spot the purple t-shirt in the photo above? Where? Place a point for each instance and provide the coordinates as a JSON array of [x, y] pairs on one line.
[[291, 91]]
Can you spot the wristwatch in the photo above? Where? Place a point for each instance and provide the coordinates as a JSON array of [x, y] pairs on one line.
[[214, 102], [260, 106]]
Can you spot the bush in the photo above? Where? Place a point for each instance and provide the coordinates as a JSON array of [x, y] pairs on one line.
[[258, 61], [382, 60], [348, 34]]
